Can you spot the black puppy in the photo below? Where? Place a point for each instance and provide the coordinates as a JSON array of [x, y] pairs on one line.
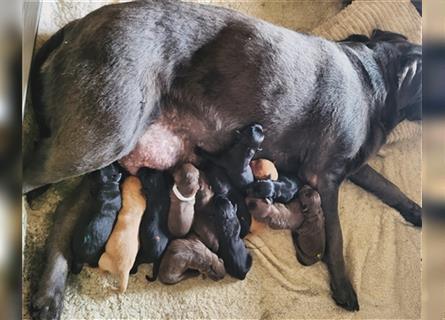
[[95, 224], [229, 172], [236, 159], [282, 190], [153, 231], [236, 257], [221, 185]]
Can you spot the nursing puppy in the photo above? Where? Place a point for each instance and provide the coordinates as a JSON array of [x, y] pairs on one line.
[[153, 231], [303, 216], [94, 226], [235, 160], [221, 185], [310, 237], [123, 245], [203, 225], [182, 199], [183, 257], [236, 257]]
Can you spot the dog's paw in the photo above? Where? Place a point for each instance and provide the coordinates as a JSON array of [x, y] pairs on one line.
[[46, 305], [413, 215], [345, 296]]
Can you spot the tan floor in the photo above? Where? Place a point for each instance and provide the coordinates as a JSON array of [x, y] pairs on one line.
[[382, 252]]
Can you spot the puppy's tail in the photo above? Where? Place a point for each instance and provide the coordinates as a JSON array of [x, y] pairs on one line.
[[155, 271]]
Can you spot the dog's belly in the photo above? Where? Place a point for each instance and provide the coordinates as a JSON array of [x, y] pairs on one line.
[[158, 148], [171, 139]]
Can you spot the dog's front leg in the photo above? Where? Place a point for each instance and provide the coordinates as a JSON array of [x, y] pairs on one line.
[[372, 181], [47, 302], [342, 290]]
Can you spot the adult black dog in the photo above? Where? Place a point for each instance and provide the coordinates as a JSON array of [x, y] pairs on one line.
[[152, 80]]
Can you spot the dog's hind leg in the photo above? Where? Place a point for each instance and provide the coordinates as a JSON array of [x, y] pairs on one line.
[[372, 181], [47, 302]]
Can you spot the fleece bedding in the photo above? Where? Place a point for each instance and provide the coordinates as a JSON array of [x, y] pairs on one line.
[[382, 252]]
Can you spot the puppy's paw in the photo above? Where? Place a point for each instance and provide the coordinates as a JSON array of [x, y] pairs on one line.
[[345, 296], [413, 214], [46, 305]]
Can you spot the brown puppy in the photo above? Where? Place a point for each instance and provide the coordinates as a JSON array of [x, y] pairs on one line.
[[184, 256], [202, 224], [302, 215], [123, 244], [182, 200], [310, 238], [262, 169]]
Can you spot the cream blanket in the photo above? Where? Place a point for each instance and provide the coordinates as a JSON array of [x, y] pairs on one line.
[[382, 252]]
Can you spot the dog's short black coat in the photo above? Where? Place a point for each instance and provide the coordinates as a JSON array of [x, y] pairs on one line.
[[236, 257], [98, 216], [282, 190], [326, 107], [153, 231]]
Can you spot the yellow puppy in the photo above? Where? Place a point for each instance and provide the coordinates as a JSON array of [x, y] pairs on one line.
[[123, 244], [264, 169]]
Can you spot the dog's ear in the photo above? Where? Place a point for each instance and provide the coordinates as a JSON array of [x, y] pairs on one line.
[[356, 38], [380, 35], [409, 81]]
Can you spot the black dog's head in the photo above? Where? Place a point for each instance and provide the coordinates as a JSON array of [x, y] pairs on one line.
[[405, 78], [252, 135], [400, 63]]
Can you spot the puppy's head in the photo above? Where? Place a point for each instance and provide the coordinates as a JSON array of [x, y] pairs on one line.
[[110, 174], [309, 198], [252, 135], [263, 189], [259, 208], [154, 181], [264, 169]]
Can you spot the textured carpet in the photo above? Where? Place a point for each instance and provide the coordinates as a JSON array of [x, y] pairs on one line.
[[382, 252]]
